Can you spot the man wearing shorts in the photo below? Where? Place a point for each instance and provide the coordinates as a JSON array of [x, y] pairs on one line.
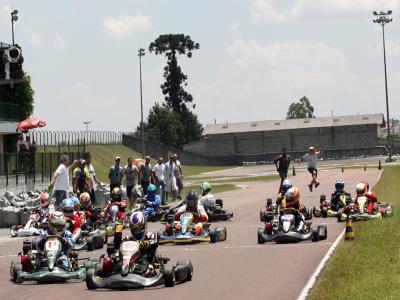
[[311, 158]]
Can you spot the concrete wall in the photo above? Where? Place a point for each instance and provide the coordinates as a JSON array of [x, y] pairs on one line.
[[339, 141]]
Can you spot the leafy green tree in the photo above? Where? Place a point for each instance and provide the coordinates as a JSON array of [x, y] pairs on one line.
[[300, 110], [172, 45], [191, 128], [21, 93]]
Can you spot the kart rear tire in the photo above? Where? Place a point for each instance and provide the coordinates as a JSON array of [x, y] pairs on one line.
[[89, 243], [169, 276], [89, 282], [324, 212], [189, 266], [315, 235], [324, 230], [316, 212], [261, 216], [15, 267], [213, 236], [308, 214]]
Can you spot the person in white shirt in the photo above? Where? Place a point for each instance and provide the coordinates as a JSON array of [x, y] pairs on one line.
[[159, 178], [311, 158], [179, 177], [92, 178], [172, 172], [60, 180]]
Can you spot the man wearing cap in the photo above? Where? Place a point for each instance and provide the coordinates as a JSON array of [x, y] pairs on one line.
[[311, 158], [80, 178], [115, 174]]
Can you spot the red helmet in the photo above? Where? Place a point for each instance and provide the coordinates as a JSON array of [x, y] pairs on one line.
[[44, 200], [292, 196]]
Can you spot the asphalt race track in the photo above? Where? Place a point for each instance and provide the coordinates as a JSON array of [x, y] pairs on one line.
[[236, 268]]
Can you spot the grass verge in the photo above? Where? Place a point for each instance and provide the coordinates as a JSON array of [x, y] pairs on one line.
[[368, 268]]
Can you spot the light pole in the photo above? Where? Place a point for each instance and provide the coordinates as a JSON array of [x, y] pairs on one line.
[[87, 123], [382, 19], [140, 54], [14, 18]]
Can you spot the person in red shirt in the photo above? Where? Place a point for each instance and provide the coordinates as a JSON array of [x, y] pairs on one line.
[[73, 218]]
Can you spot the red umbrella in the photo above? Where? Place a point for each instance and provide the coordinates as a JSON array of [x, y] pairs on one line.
[[30, 123]]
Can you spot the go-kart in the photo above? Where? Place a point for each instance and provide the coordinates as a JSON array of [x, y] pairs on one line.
[[128, 268], [359, 212], [327, 209], [271, 209], [115, 223], [186, 234], [281, 228], [34, 226], [45, 267], [213, 208]]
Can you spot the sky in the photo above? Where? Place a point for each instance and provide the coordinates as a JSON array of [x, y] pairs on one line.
[[256, 57]]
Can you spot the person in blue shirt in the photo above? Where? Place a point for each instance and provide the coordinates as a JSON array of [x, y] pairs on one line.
[[153, 201]]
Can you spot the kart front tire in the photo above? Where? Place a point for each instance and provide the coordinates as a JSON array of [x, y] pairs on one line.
[[322, 232], [14, 269], [189, 267], [315, 235], [89, 281], [169, 276], [89, 243], [324, 212], [213, 236]]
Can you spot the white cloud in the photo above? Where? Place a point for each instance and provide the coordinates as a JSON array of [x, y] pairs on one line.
[[60, 43], [125, 25], [34, 38], [326, 9], [258, 82]]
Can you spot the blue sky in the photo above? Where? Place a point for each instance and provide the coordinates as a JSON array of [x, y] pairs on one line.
[[255, 57]]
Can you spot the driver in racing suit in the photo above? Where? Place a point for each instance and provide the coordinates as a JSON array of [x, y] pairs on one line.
[[88, 209], [116, 199], [57, 226], [192, 206], [153, 201], [362, 189], [72, 218], [286, 185], [339, 191], [292, 200]]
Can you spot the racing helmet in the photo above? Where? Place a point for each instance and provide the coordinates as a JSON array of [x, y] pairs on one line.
[[151, 189], [85, 200], [57, 222], [286, 184], [116, 194], [292, 196], [191, 200], [367, 184], [361, 189], [75, 202], [137, 224], [67, 207], [205, 188], [44, 200], [339, 185]]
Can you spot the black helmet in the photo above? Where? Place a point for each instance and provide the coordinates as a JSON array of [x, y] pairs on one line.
[[191, 200]]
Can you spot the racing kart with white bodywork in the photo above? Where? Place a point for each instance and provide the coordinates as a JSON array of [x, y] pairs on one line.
[[186, 234], [281, 228], [272, 208], [45, 267], [359, 212], [34, 226], [127, 268]]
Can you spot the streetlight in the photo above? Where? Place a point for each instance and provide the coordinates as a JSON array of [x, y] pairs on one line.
[[140, 54], [87, 123], [382, 19], [14, 18]]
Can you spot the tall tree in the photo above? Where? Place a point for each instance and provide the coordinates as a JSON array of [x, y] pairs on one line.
[[300, 110], [172, 45]]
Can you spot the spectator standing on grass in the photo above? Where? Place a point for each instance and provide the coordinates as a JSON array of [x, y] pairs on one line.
[[282, 163], [60, 180], [172, 172], [159, 178], [145, 174], [22, 147], [131, 173], [179, 177], [92, 178], [115, 174], [81, 178], [311, 158]]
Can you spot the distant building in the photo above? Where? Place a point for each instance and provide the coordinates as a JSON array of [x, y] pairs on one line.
[[250, 141]]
